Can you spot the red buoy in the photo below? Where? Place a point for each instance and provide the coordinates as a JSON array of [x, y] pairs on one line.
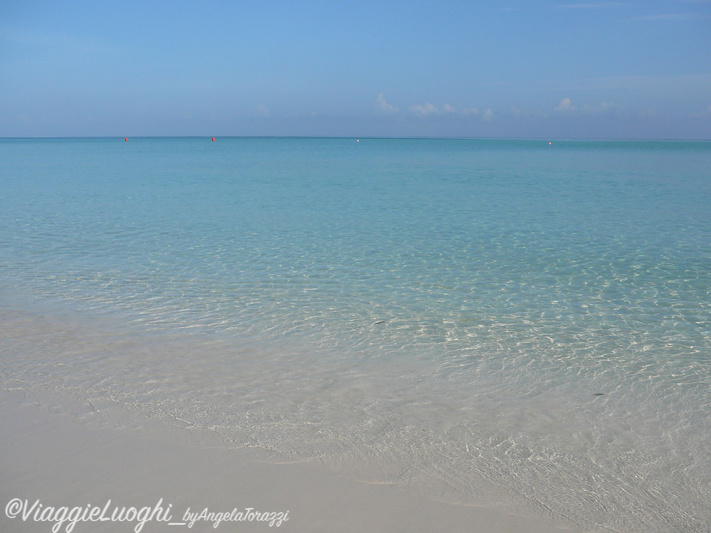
[[126, 139], [213, 139]]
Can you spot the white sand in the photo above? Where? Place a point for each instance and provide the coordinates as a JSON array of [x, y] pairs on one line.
[[61, 461]]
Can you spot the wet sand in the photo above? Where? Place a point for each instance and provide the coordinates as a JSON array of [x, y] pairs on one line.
[[61, 461]]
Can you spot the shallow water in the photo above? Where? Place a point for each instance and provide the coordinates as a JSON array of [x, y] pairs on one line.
[[503, 322]]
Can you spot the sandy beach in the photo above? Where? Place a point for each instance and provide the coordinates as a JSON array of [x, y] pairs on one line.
[[52, 459]]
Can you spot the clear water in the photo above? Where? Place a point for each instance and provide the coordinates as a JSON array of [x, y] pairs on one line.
[[502, 322]]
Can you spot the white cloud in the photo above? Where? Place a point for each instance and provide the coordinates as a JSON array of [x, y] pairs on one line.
[[565, 105], [428, 109], [384, 107], [424, 110]]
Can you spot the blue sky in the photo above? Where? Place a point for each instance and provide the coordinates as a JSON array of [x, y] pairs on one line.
[[559, 69]]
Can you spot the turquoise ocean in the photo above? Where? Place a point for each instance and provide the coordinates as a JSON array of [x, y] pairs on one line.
[[509, 323]]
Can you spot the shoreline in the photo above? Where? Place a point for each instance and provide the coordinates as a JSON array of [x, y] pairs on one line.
[[57, 460]]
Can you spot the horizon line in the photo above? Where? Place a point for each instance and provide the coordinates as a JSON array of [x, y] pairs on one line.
[[370, 137]]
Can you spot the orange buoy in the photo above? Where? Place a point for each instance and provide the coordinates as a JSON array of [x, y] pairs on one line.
[[126, 138], [213, 139]]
